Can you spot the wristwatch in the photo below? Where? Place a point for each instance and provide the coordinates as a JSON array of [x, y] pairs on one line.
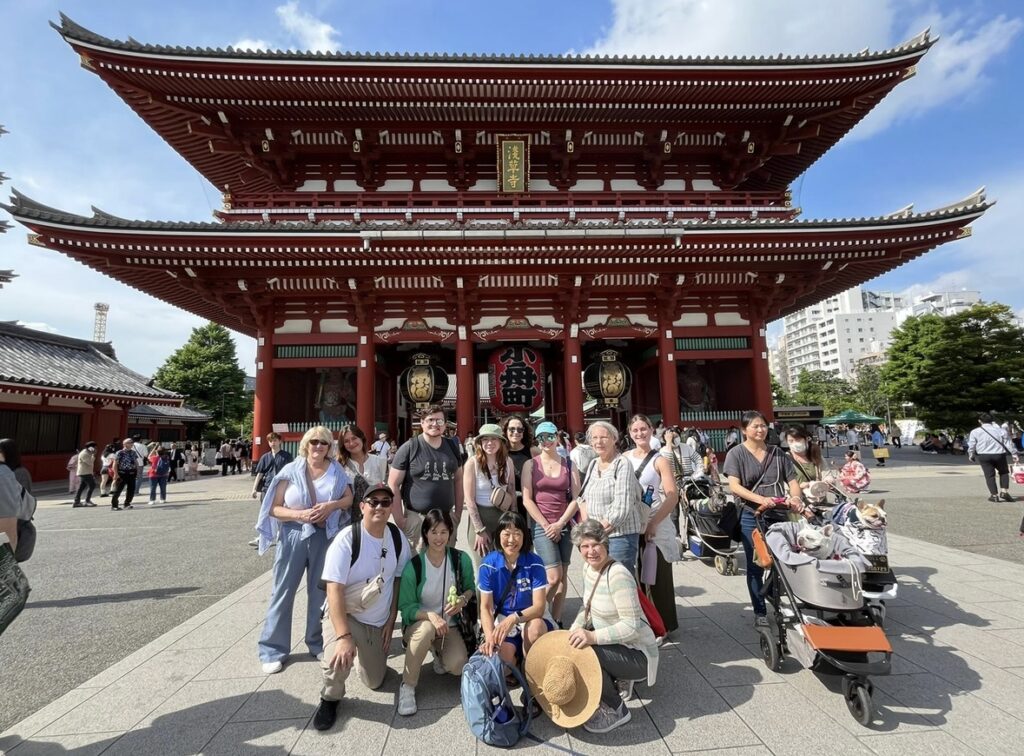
[[519, 617]]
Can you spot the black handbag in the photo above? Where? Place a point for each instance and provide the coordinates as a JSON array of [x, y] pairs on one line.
[[14, 587], [468, 619]]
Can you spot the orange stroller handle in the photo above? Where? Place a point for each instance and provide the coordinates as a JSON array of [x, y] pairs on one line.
[[762, 556]]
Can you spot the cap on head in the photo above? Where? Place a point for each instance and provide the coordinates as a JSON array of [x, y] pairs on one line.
[[546, 427], [380, 488]]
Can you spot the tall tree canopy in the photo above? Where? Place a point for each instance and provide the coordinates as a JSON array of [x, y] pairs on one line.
[[821, 388], [206, 369], [954, 367]]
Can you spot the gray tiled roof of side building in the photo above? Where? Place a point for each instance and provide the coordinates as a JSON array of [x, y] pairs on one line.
[[187, 414], [36, 358]]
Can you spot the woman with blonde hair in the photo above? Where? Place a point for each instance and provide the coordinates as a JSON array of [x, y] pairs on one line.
[[304, 507], [489, 468]]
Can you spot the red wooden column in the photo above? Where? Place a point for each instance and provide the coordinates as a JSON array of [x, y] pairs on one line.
[[573, 372], [366, 383], [667, 377], [762, 381], [465, 383], [263, 406]]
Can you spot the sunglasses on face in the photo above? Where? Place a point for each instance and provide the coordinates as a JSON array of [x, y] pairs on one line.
[[510, 429], [378, 503], [545, 437], [318, 442]]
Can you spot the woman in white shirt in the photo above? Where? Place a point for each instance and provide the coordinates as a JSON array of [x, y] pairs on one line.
[[489, 468], [353, 455]]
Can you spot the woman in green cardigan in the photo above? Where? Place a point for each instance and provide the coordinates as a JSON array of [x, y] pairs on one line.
[[437, 584]]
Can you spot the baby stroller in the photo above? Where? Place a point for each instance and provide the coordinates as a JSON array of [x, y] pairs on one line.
[[821, 617], [703, 503]]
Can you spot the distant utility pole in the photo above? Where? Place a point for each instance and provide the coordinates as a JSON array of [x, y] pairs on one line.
[[99, 326]]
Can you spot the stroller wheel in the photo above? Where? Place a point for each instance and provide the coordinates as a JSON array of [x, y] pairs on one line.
[[731, 568], [769, 651], [721, 565], [858, 701]]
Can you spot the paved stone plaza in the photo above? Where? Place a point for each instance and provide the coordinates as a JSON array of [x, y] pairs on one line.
[[957, 684]]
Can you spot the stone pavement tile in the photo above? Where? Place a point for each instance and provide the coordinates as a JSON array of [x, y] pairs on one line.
[[447, 726], [719, 658], [689, 713], [934, 743], [787, 722], [53, 711], [136, 658], [437, 691], [240, 660], [736, 620], [186, 721], [981, 644], [362, 728], [269, 737], [998, 570], [943, 588], [290, 694], [758, 750], [963, 715], [123, 703], [639, 734], [90, 744], [1008, 607], [225, 628], [1004, 589]]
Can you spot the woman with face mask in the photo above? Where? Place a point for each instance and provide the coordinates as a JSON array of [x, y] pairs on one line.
[[805, 454]]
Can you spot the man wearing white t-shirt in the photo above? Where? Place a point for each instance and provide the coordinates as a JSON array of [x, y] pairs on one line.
[[356, 626]]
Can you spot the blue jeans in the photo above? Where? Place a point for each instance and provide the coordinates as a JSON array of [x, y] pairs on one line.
[[294, 558], [553, 554], [624, 548], [154, 483], [755, 575]]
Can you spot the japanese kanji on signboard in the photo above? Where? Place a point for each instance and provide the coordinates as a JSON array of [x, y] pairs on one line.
[[516, 375]]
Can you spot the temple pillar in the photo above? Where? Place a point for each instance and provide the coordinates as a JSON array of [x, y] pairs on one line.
[[263, 403], [760, 374], [667, 379], [465, 384], [572, 368], [366, 384]]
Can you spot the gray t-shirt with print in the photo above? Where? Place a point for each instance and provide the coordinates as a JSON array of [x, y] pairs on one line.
[[429, 474]]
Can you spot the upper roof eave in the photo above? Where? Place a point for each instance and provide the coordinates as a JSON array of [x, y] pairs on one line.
[[74, 32], [29, 212]]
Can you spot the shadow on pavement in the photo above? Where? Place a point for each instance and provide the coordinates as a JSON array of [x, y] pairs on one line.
[[112, 598]]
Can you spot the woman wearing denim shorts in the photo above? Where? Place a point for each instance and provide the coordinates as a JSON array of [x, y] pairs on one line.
[[550, 488]]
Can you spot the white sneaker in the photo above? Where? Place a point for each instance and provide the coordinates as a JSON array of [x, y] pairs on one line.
[[152, 502], [406, 700], [255, 542], [273, 667], [439, 666], [163, 501]]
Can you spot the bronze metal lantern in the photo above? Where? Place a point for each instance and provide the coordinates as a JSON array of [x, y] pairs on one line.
[[607, 379], [423, 383]]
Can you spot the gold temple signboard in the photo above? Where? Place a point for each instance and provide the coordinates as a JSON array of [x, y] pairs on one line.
[[513, 163]]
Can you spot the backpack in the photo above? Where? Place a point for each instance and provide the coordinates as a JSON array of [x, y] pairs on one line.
[[397, 536], [163, 466], [487, 703]]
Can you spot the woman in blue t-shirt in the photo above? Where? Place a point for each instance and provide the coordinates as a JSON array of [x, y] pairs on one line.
[[513, 592]]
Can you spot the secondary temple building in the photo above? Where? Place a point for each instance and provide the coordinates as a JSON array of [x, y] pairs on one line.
[[570, 225]]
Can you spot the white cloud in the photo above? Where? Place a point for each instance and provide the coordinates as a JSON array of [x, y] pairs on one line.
[[310, 32], [251, 44], [950, 71], [44, 327]]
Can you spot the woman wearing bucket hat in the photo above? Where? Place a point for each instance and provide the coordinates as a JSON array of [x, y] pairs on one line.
[[612, 622], [550, 488], [564, 680], [488, 489]]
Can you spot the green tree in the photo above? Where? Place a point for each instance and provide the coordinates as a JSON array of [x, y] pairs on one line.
[[952, 368], [821, 388], [781, 397], [206, 369], [869, 392]]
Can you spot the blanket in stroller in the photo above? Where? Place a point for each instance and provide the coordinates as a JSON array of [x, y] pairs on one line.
[[832, 584]]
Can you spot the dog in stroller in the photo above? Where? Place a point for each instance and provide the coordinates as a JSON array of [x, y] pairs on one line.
[[703, 505]]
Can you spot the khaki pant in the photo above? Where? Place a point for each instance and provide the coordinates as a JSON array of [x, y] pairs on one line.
[[371, 659], [489, 517], [414, 531], [421, 637]]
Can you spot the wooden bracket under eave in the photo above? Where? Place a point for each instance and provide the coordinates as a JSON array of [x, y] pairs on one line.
[[36, 240], [86, 62], [964, 232], [910, 72]]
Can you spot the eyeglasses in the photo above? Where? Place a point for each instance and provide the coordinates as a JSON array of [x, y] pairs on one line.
[[378, 503], [433, 421], [318, 442], [510, 430], [545, 437]]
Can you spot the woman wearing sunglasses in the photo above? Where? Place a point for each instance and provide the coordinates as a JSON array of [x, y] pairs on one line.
[[304, 506], [550, 487], [521, 449]]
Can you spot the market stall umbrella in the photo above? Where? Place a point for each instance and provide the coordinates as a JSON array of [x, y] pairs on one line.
[[849, 417]]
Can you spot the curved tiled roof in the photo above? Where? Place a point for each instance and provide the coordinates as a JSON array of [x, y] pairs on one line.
[[185, 414], [48, 360], [73, 31]]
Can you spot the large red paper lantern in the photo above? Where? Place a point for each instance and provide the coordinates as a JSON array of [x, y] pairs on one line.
[[516, 378]]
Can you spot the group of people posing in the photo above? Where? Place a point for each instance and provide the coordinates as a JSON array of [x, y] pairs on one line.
[[470, 553]]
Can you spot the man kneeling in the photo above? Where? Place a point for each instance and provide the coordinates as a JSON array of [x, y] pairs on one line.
[[362, 570]]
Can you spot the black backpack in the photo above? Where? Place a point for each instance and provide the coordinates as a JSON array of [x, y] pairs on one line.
[[397, 536]]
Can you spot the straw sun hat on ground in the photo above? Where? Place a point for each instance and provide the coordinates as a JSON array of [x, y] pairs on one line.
[[566, 681]]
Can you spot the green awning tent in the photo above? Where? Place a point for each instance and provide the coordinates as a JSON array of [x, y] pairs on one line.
[[849, 417]]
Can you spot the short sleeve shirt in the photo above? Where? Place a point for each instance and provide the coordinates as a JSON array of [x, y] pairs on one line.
[[740, 463], [372, 559], [495, 576], [429, 475]]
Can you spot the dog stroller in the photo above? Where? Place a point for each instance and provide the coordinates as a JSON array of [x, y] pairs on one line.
[[703, 503], [821, 617]]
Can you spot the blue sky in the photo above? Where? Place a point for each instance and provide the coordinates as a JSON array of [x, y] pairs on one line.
[[73, 143]]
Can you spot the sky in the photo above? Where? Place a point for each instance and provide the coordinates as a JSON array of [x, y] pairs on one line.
[[74, 144]]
